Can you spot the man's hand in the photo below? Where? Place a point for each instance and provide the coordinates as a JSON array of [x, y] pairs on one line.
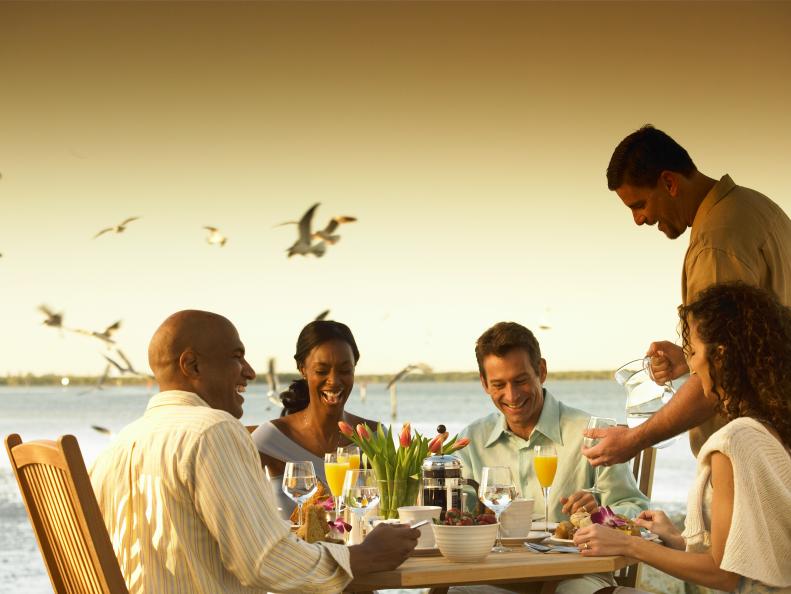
[[616, 444], [577, 501], [385, 548], [667, 361]]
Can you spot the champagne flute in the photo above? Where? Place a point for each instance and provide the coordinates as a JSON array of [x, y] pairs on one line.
[[350, 454], [497, 491], [545, 463], [335, 467], [299, 483], [589, 442]]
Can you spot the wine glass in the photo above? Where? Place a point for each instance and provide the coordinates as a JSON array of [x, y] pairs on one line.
[[589, 442], [497, 491], [545, 463], [360, 491], [335, 467], [299, 483]]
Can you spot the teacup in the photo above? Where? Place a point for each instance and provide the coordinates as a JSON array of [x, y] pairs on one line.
[[416, 513], [516, 520]]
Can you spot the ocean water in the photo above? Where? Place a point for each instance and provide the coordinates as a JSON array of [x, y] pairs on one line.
[[47, 412]]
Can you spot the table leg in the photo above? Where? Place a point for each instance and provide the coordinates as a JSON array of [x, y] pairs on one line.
[[549, 587], [438, 591]]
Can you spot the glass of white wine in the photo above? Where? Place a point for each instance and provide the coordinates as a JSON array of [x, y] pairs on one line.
[[496, 492], [589, 442], [299, 483]]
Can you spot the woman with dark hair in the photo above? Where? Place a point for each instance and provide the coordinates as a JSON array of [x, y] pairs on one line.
[[737, 339], [313, 405]]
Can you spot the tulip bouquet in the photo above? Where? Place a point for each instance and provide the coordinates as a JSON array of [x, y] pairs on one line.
[[398, 469]]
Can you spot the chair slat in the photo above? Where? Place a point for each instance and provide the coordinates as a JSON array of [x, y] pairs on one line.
[[62, 508]]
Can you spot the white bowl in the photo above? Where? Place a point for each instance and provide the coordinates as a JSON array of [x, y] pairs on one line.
[[465, 544]]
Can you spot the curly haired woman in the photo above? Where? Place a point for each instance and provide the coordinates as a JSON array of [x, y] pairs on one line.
[[737, 339]]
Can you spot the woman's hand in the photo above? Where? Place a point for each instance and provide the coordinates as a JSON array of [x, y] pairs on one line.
[[657, 522], [597, 540]]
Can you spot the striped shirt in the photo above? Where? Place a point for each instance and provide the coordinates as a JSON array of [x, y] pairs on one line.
[[188, 508]]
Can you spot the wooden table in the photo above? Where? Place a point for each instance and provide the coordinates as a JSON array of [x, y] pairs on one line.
[[518, 566]]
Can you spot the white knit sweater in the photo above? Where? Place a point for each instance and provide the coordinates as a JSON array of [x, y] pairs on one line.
[[759, 540]]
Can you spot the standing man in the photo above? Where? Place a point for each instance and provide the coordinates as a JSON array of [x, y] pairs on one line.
[[183, 493], [737, 234]]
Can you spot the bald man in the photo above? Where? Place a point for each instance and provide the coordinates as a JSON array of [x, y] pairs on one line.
[[183, 494]]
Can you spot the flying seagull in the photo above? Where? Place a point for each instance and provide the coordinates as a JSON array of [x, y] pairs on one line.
[[102, 430], [322, 316], [118, 228], [215, 237], [105, 335], [53, 319], [304, 244], [420, 367]]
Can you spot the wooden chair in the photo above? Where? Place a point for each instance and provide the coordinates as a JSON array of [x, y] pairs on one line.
[[65, 516], [643, 470]]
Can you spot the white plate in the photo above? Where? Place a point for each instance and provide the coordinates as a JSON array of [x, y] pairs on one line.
[[539, 525], [569, 542], [532, 536]]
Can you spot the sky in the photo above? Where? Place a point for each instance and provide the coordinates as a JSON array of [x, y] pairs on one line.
[[469, 139]]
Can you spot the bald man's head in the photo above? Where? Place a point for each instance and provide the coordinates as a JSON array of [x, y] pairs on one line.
[[200, 352]]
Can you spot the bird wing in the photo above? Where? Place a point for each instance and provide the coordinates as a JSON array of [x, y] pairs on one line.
[[112, 328], [212, 229], [129, 220], [305, 222], [102, 232], [103, 430], [399, 375], [104, 377], [335, 221], [114, 364], [286, 223], [46, 310], [322, 315], [318, 249], [125, 360]]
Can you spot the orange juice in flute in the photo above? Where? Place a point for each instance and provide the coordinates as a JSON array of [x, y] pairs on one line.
[[545, 463], [350, 454], [335, 467]]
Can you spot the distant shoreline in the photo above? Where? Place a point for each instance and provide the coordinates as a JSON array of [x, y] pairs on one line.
[[286, 378]]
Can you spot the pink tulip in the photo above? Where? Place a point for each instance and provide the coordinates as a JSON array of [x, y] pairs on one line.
[[346, 429], [405, 438], [460, 443], [362, 431], [435, 445]]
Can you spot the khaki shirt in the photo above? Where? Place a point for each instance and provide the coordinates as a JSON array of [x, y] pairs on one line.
[[738, 235]]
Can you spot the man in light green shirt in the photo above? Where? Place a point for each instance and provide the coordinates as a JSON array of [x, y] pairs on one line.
[[512, 372]]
